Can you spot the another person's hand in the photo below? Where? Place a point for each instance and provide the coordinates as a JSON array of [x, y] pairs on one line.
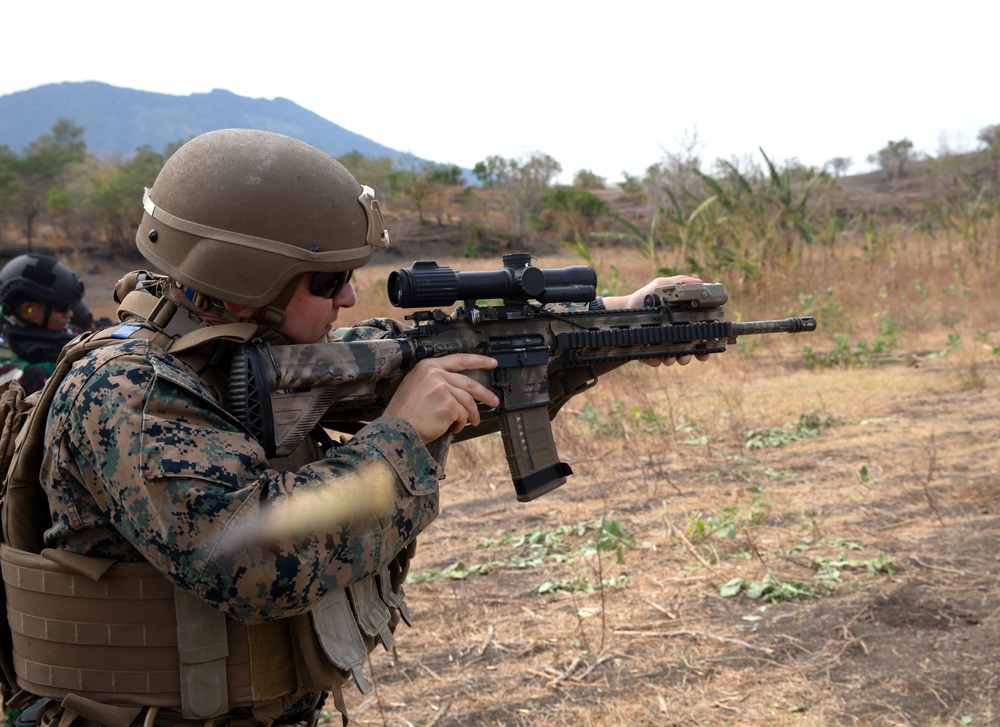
[[636, 299], [437, 397]]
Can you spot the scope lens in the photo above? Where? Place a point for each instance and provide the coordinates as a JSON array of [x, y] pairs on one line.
[[395, 288]]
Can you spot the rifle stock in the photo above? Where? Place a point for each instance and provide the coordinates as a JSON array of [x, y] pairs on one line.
[[280, 393], [544, 358]]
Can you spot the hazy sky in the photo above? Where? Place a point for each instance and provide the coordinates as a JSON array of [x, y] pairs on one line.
[[606, 86]]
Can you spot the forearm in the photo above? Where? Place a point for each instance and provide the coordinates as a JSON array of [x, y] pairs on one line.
[[296, 536]]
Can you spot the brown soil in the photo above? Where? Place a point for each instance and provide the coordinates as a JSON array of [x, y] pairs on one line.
[[917, 646]]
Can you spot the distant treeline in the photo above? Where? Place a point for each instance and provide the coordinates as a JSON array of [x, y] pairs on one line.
[[737, 217]]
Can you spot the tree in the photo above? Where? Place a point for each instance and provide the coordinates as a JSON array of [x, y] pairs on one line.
[[428, 187], [679, 211], [680, 170], [8, 173], [379, 174], [572, 211], [447, 174], [839, 165], [894, 157], [765, 213], [496, 171], [989, 137], [586, 179], [524, 181], [115, 192], [41, 174]]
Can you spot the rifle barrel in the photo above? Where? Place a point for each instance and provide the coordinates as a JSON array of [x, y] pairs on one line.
[[785, 325]]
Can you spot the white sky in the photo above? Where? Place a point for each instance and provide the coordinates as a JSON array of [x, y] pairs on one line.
[[606, 86]]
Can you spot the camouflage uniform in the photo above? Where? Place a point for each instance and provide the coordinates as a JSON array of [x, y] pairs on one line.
[[142, 462]]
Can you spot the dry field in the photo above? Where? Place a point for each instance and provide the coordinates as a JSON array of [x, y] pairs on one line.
[[840, 569], [870, 513]]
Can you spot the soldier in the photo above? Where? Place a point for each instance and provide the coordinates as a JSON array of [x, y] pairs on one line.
[[160, 496], [37, 294]]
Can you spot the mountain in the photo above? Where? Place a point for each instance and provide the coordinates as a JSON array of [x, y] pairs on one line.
[[117, 121]]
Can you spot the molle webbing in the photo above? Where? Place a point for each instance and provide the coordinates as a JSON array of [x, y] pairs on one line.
[[114, 639]]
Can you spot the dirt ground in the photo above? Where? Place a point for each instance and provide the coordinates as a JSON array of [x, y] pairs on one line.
[[869, 514], [909, 474]]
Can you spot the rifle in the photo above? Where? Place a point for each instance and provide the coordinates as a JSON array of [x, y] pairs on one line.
[[545, 357]]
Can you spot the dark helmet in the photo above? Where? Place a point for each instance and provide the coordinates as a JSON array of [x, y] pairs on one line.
[[40, 278], [239, 214]]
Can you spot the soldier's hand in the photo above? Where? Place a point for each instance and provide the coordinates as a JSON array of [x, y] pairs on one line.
[[437, 397], [671, 360], [636, 299]]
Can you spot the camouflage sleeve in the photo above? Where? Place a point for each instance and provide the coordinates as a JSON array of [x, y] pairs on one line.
[[367, 330], [137, 450]]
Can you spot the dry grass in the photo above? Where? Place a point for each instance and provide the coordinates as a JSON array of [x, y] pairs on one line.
[[904, 467]]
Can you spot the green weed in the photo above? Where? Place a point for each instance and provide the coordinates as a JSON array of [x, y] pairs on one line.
[[541, 546], [726, 522], [844, 353], [829, 569], [770, 588], [623, 419], [809, 426], [581, 584], [829, 574]]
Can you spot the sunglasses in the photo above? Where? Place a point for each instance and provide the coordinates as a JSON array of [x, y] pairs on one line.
[[327, 285], [60, 307]]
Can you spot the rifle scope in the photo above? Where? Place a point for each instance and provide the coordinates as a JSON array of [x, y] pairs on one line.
[[426, 283]]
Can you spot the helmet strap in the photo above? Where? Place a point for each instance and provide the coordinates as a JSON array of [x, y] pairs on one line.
[[272, 315], [269, 318]]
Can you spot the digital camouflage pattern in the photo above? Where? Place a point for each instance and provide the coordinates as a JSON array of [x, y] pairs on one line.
[[142, 463]]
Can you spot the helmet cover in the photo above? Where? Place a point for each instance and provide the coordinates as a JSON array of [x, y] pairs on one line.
[[237, 214]]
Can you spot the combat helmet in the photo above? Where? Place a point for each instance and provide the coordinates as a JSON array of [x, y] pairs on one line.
[[238, 215], [39, 278]]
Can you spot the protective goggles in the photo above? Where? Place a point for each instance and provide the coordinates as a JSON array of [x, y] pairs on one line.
[[327, 285]]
